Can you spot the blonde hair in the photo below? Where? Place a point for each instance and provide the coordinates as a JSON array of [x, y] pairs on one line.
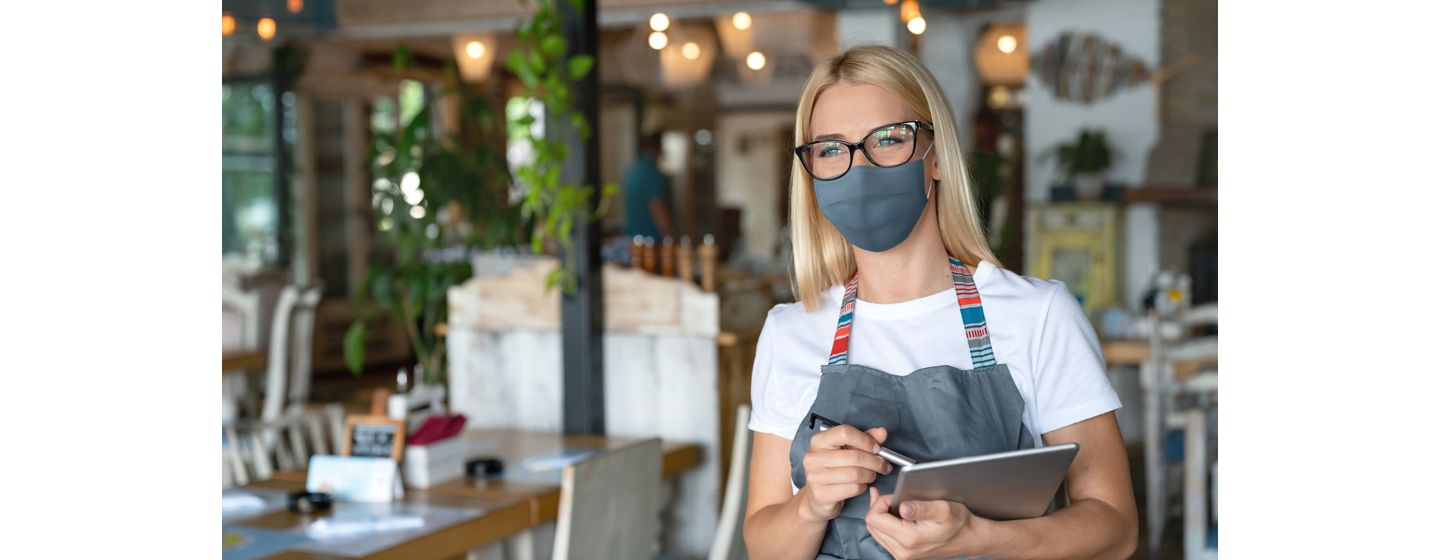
[[823, 258]]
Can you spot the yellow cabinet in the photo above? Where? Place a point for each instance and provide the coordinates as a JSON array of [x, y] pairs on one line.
[[1076, 243]]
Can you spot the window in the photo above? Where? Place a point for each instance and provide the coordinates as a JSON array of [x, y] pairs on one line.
[[250, 204]]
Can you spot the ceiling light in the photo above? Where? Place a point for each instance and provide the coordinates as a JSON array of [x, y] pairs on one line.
[[916, 25], [475, 49], [265, 28], [741, 20], [755, 60], [1006, 43], [659, 22], [227, 24], [658, 40], [690, 50]]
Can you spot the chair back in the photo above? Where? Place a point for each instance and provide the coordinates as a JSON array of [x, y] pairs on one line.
[[729, 543], [277, 370], [610, 504], [302, 348]]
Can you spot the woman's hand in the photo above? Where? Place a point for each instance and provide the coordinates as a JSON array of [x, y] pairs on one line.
[[925, 529], [840, 465]]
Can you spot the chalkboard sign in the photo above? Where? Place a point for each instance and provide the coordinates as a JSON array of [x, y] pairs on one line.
[[373, 436]]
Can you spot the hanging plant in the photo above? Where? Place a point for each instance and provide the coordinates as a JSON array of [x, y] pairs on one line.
[[547, 73]]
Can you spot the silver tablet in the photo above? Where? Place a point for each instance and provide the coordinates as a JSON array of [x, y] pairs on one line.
[[1000, 486]]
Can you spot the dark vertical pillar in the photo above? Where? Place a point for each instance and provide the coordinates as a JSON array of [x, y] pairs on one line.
[[284, 228], [581, 313]]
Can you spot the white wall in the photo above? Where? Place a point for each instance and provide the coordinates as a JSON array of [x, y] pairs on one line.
[[753, 179], [1128, 117]]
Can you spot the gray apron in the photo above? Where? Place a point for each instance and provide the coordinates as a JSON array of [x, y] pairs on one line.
[[935, 413]]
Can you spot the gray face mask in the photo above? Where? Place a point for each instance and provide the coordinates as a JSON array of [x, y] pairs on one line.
[[875, 207]]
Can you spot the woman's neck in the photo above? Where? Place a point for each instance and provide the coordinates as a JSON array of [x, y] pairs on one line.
[[915, 268]]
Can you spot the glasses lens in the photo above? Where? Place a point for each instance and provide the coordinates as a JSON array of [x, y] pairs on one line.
[[892, 145], [827, 160]]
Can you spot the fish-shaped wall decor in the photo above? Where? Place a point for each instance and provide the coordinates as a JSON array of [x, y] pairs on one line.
[[1085, 68]]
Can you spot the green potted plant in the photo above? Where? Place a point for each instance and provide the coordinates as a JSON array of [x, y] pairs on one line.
[[1084, 162], [436, 198]]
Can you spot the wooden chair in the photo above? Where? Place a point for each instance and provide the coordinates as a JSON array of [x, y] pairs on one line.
[[729, 543], [610, 504]]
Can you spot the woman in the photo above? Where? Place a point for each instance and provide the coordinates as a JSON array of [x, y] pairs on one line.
[[950, 356]]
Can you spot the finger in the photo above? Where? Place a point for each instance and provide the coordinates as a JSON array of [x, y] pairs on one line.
[[878, 434], [879, 518], [845, 435], [832, 493], [937, 511], [837, 458], [842, 475]]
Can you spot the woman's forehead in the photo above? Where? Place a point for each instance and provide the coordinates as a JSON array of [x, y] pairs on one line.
[[848, 110]]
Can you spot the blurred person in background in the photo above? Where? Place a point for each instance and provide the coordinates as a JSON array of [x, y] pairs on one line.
[[647, 194]]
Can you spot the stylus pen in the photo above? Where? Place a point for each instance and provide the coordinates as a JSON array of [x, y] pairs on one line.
[[888, 455]]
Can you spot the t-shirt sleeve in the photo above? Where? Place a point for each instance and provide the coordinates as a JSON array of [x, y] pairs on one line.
[[1071, 384], [766, 400]]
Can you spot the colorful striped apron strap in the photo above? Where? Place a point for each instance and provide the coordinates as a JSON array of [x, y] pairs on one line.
[[972, 314], [840, 350]]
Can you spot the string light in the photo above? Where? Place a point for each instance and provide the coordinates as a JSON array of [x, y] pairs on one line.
[[690, 50], [227, 24], [659, 22], [295, 6], [755, 60], [741, 20], [658, 40], [265, 28]]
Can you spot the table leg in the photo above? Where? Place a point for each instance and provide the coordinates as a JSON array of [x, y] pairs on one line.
[[1195, 491], [1154, 456]]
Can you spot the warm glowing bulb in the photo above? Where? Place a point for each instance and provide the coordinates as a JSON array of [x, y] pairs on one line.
[[741, 20], [658, 40], [227, 24], [659, 22], [475, 49], [295, 5], [1007, 44], [916, 25], [265, 28], [755, 60], [891, 2], [690, 50]]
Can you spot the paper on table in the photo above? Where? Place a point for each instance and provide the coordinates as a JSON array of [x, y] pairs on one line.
[[332, 527], [556, 461], [232, 502]]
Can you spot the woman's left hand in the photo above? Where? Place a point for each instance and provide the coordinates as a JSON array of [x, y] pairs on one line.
[[925, 529]]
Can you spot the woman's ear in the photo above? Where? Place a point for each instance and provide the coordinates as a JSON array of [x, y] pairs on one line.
[[932, 167]]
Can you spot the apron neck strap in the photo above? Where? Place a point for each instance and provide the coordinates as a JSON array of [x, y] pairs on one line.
[[971, 314]]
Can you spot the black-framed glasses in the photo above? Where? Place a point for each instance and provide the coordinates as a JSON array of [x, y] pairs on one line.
[[885, 146]]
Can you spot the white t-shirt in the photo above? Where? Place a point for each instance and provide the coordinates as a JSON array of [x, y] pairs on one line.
[[1037, 329]]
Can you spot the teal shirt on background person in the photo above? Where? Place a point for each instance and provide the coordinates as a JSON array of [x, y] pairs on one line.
[[643, 183]]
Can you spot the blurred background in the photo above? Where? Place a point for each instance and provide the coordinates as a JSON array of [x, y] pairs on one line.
[[401, 180]]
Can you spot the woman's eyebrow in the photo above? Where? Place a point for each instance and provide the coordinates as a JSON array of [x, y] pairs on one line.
[[828, 137]]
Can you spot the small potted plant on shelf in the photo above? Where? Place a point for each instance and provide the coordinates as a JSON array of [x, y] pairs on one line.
[[1084, 162]]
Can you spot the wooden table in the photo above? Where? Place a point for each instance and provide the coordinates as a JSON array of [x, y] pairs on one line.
[[513, 501]]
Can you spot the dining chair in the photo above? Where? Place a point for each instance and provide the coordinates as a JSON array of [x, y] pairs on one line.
[[1161, 390], [610, 504], [729, 543]]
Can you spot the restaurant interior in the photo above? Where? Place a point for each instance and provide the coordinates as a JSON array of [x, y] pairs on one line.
[[494, 271]]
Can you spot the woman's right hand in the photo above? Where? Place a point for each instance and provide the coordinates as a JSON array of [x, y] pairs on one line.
[[840, 465]]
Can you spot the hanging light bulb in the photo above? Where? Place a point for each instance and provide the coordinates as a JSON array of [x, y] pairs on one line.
[[227, 24], [295, 6], [891, 2], [690, 50], [916, 25], [755, 60], [741, 20], [475, 49], [658, 40], [265, 28], [659, 22], [1006, 43]]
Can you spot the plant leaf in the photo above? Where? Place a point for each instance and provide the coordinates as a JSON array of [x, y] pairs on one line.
[[580, 65]]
